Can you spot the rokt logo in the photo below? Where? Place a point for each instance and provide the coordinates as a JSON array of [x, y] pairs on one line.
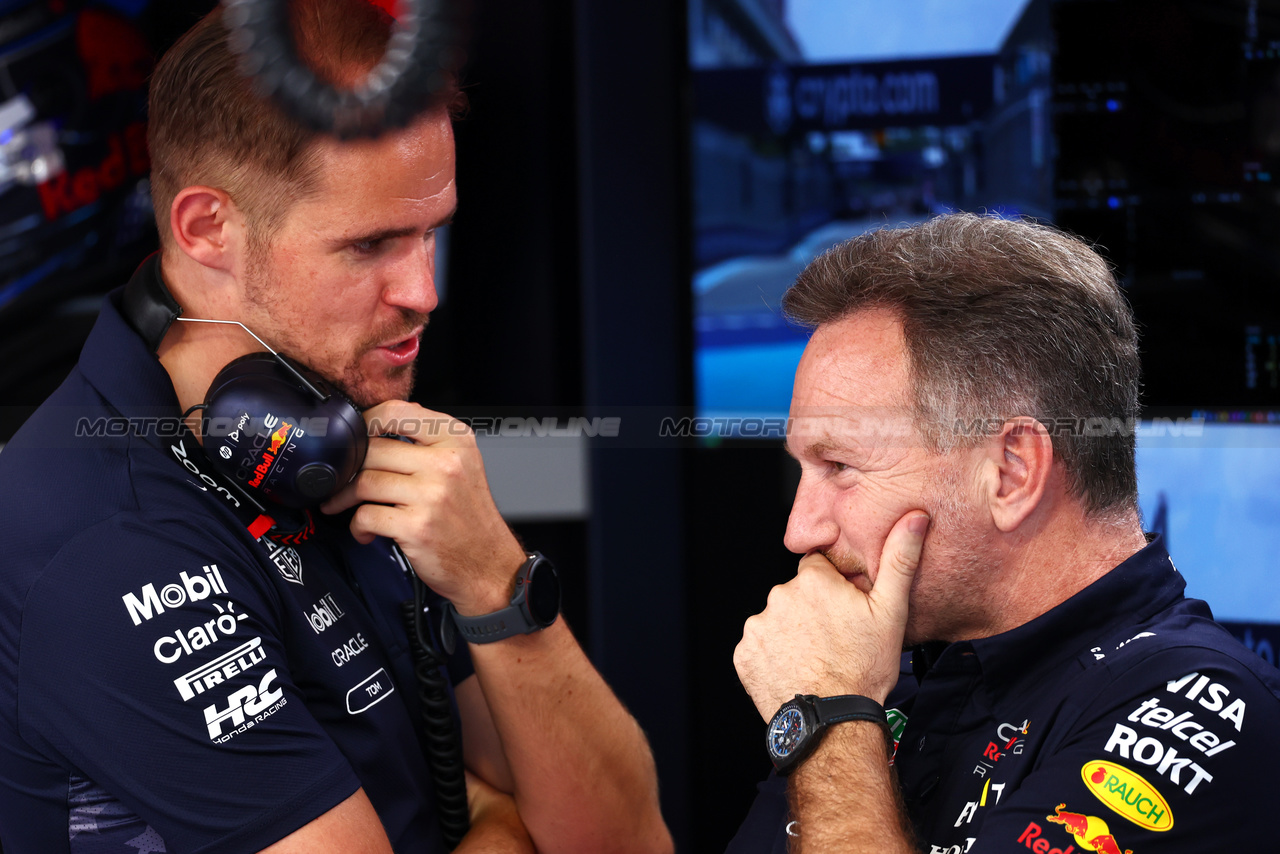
[[193, 588]]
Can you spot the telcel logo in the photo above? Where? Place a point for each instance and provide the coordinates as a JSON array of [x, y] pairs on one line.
[[1128, 794]]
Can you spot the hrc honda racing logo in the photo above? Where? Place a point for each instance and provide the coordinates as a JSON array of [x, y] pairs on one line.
[[192, 588], [245, 708]]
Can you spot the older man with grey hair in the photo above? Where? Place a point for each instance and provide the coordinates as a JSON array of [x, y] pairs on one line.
[[963, 418]]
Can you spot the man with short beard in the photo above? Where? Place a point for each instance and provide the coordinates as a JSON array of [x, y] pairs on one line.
[[963, 417], [180, 672]]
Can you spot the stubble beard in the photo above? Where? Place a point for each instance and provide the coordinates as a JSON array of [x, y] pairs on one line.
[[946, 591], [947, 594], [344, 371]]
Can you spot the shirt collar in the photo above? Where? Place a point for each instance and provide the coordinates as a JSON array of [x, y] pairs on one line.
[[124, 370], [1131, 593]]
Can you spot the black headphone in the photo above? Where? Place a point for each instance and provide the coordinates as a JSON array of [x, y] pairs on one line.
[[276, 429]]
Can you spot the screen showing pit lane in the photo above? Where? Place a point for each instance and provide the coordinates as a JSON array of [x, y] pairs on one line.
[[1151, 128], [1147, 127], [816, 121]]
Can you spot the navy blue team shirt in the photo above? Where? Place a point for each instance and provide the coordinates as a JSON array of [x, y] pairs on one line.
[[168, 682], [1123, 721]]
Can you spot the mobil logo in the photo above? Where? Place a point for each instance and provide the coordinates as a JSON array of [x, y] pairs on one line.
[[324, 613], [149, 602]]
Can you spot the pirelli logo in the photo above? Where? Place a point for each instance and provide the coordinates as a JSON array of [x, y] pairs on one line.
[[220, 669]]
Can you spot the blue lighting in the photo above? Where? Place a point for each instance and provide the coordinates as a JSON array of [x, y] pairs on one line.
[[1113, 202], [1113, 106]]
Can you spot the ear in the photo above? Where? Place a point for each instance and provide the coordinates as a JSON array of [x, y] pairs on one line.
[[1019, 466], [207, 226]]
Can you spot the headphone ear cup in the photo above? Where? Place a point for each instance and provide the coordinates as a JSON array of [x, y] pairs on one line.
[[277, 440]]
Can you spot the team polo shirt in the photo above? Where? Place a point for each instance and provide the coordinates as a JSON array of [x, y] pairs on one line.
[[169, 682], [1124, 721]]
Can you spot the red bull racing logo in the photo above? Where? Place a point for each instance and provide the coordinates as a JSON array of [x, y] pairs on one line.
[[1090, 831], [270, 454]]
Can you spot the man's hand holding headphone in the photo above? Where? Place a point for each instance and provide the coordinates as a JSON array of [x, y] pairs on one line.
[[431, 496]]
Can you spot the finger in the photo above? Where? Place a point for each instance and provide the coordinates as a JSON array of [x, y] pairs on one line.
[[384, 487], [420, 425], [898, 564], [817, 562], [392, 457], [376, 520], [343, 499]]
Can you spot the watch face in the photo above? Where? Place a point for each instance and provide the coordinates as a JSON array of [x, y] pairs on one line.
[[544, 593], [786, 731]]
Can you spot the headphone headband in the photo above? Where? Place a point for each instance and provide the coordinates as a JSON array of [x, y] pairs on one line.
[[148, 306]]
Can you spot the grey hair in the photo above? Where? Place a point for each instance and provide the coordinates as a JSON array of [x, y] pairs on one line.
[[1001, 318]]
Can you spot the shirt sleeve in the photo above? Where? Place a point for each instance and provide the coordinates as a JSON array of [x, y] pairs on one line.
[[1163, 759], [153, 664]]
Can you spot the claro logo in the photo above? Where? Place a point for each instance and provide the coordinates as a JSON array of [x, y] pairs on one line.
[[192, 588]]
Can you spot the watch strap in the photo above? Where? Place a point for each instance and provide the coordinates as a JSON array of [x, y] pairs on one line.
[[515, 619], [495, 626], [848, 707]]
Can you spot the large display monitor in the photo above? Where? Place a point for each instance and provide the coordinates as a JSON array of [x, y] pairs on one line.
[[816, 121], [1151, 128], [1210, 485]]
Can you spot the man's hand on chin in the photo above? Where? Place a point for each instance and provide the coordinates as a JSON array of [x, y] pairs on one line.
[[430, 495], [821, 634]]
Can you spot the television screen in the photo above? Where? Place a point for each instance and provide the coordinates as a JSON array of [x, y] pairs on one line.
[[1150, 128], [816, 121], [1210, 485]]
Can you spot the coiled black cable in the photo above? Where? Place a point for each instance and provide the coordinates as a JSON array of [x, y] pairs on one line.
[[421, 53], [442, 747]]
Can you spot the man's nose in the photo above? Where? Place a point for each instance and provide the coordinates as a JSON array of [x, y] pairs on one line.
[[810, 525], [414, 287]]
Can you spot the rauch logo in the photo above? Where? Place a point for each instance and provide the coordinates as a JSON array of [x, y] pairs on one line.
[[1128, 794]]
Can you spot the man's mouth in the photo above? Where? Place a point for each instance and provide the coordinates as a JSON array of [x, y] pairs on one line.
[[402, 351]]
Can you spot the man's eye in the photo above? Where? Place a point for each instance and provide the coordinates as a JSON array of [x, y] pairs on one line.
[[837, 466], [366, 247]]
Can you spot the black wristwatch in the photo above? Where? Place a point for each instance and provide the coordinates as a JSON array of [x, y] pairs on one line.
[[799, 724], [534, 606]]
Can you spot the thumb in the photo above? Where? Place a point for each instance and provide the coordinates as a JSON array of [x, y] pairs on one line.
[[898, 564]]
